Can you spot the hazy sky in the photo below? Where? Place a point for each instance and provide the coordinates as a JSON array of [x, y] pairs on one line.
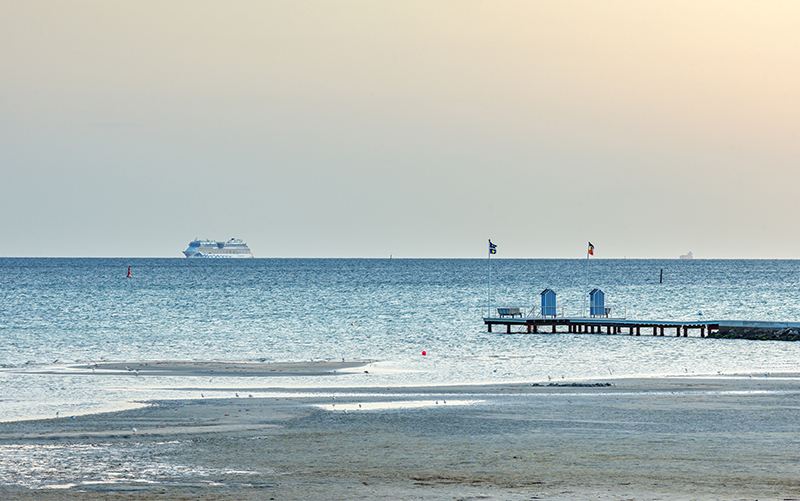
[[417, 129]]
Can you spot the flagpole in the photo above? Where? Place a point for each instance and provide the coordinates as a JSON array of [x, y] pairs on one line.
[[489, 283], [586, 286]]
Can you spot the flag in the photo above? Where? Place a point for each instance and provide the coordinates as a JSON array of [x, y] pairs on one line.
[[492, 248], [591, 249]]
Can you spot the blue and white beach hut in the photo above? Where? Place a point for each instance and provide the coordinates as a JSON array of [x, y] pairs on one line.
[[597, 303], [548, 303]]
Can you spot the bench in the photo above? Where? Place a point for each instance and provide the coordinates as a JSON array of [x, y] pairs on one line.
[[509, 312]]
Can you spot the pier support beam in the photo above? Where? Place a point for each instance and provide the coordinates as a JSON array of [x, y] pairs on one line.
[[490, 327], [638, 331], [508, 328], [554, 328]]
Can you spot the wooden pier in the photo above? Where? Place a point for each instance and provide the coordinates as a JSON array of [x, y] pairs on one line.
[[590, 325], [727, 329]]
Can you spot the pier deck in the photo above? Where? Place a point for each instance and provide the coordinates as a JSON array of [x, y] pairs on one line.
[[601, 325]]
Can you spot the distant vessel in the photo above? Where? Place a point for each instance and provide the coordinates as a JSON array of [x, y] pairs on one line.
[[687, 256], [234, 247]]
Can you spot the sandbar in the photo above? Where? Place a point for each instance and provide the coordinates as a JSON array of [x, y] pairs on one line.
[[206, 368]]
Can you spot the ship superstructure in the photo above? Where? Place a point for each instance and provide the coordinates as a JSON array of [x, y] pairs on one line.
[[233, 248]]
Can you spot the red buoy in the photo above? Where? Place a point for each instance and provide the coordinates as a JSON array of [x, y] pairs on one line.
[[424, 353], [129, 273]]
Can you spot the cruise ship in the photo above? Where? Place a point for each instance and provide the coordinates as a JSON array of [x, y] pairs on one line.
[[234, 247]]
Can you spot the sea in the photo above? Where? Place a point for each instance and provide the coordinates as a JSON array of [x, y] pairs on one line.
[[66, 312]]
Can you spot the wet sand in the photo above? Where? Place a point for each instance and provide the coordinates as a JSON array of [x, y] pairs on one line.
[[614, 439]]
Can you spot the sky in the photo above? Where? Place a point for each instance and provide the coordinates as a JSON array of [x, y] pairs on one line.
[[411, 129]]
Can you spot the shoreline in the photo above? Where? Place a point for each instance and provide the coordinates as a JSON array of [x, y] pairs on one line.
[[679, 437]]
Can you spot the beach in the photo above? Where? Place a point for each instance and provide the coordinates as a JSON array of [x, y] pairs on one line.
[[682, 437]]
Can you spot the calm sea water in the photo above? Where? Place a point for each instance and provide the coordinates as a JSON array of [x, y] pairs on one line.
[[67, 311]]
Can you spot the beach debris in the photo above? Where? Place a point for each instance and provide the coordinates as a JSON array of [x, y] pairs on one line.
[[134, 429], [574, 385], [250, 395]]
